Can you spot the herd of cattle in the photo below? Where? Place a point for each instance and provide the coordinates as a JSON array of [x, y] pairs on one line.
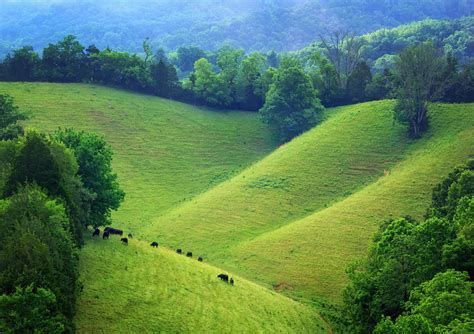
[[109, 230]]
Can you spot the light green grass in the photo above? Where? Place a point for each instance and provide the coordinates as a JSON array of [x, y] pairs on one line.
[[140, 289], [296, 219], [165, 152], [322, 244]]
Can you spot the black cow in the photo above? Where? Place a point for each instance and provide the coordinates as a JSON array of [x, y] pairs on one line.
[[96, 232], [223, 277], [179, 251], [154, 244], [112, 230], [105, 235], [124, 241], [231, 281], [130, 235], [200, 259], [189, 254]]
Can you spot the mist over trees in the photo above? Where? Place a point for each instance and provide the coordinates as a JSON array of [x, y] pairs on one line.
[[254, 25]]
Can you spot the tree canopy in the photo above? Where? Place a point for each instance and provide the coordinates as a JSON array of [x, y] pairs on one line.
[[415, 278], [291, 105]]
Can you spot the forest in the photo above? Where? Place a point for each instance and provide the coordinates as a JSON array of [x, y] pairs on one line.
[[254, 25], [52, 187]]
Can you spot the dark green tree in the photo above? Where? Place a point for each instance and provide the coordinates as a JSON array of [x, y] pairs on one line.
[[417, 74], [325, 80], [22, 65], [94, 158], [187, 56], [210, 87], [357, 83], [64, 61], [36, 247], [30, 310], [9, 117], [291, 105], [249, 92], [436, 306], [35, 163], [165, 79], [54, 168], [381, 87]]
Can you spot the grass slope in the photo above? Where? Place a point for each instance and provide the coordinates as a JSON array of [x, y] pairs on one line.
[[297, 218], [322, 244], [165, 152], [292, 220], [137, 288]]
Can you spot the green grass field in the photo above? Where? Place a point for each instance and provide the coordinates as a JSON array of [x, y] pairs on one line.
[[165, 152], [289, 218], [296, 219], [137, 288]]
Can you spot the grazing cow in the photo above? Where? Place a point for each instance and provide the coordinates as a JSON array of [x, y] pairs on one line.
[[200, 259], [130, 235], [96, 232], [223, 277], [189, 254], [105, 235], [179, 251], [124, 241], [154, 244], [112, 230], [231, 281]]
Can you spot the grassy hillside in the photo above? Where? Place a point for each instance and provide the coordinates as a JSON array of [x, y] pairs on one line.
[[296, 219], [165, 152], [137, 288], [205, 181]]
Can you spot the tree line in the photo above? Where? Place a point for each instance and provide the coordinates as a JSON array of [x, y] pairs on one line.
[[418, 276], [335, 73], [51, 187]]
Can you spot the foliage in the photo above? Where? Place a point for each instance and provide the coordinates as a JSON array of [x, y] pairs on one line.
[[418, 76], [394, 281], [9, 116], [36, 248], [340, 67], [291, 106], [30, 310], [63, 61], [332, 60], [209, 86], [255, 25], [53, 168], [436, 306], [22, 64], [94, 159]]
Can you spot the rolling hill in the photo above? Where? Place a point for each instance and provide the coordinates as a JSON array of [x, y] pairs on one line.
[[137, 288], [289, 218], [165, 152]]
